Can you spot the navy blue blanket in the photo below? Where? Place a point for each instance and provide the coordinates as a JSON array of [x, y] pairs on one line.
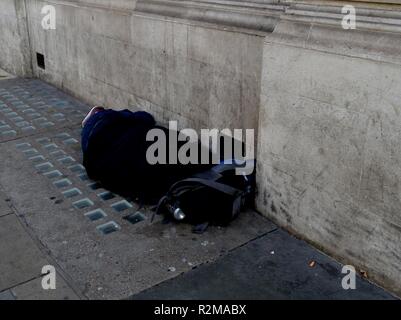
[[114, 151]]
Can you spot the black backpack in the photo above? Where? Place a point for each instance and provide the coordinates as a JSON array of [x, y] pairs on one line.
[[214, 197]]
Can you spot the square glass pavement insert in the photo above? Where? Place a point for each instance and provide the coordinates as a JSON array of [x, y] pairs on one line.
[[29, 110], [108, 227], [66, 160], [17, 119], [107, 195], [43, 106], [37, 158], [43, 141], [70, 141], [21, 106], [83, 203], [62, 183], [46, 124], [94, 185], [40, 120], [72, 193], [60, 103], [33, 115], [96, 214], [50, 147], [22, 146], [9, 133], [121, 206], [63, 135], [58, 116], [44, 166], [58, 153], [30, 152], [53, 174], [29, 128], [134, 217], [5, 127], [22, 124], [83, 177], [77, 168]]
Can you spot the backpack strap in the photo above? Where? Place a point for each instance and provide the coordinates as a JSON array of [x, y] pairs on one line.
[[176, 188]]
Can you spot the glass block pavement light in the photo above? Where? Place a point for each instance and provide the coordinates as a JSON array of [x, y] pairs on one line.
[[31, 106], [51, 157]]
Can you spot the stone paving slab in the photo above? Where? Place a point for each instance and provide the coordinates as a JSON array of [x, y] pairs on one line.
[[276, 266], [33, 290], [21, 260], [83, 226]]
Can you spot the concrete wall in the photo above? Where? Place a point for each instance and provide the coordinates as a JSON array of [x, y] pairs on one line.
[[200, 74], [329, 143], [14, 38]]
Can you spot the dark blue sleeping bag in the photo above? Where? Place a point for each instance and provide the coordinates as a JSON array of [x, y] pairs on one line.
[[114, 153]]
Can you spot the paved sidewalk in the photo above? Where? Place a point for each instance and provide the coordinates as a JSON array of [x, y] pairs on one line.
[[104, 248], [275, 266]]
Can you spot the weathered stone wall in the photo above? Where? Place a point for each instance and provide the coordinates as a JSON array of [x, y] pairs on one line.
[[14, 38], [197, 72], [329, 142]]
